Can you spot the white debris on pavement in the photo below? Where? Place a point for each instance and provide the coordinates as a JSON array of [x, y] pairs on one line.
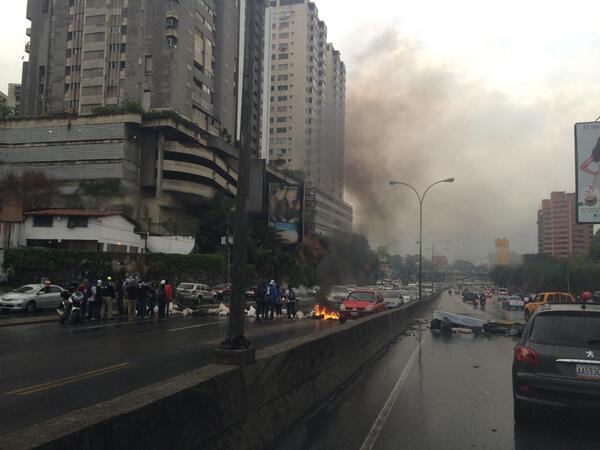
[[187, 312], [223, 310], [251, 312], [299, 315]]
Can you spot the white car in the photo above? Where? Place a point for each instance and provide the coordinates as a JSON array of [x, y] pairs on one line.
[[31, 297]]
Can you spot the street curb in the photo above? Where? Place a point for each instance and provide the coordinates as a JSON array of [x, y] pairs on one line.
[[32, 321]]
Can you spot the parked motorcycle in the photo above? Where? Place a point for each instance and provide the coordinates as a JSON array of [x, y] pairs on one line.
[[70, 307]]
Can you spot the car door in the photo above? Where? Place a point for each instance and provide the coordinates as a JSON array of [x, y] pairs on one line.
[[49, 299]]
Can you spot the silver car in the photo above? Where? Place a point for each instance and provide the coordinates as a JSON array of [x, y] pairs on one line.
[[31, 297], [196, 292]]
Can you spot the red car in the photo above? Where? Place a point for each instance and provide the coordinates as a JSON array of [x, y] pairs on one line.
[[360, 303]]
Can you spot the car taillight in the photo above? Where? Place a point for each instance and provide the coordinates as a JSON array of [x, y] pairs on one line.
[[526, 355]]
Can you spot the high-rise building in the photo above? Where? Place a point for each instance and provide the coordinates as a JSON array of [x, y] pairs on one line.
[[558, 232], [175, 54], [3, 99], [252, 21], [502, 252], [303, 95], [14, 97]]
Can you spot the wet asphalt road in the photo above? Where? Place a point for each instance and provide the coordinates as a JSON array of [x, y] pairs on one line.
[[437, 392], [50, 369]]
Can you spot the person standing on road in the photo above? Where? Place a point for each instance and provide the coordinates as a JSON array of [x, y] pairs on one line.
[[108, 298], [162, 300], [270, 298], [132, 294], [290, 294], [260, 301], [168, 296], [94, 299]]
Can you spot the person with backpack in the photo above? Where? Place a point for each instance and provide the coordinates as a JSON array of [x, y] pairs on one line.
[[290, 294]]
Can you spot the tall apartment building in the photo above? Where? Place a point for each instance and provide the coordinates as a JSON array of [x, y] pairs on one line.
[[252, 21], [303, 95], [558, 232], [501, 252], [175, 54], [14, 97]]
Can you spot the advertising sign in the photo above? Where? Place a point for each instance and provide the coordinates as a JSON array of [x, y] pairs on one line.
[[587, 168], [285, 211]]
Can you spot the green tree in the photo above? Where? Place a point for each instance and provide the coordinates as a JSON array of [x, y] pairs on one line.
[[214, 220]]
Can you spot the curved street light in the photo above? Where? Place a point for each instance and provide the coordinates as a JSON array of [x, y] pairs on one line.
[[421, 200]]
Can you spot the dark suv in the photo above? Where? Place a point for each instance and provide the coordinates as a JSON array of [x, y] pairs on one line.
[[470, 297], [556, 364]]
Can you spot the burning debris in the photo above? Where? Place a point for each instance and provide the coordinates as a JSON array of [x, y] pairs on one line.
[[322, 313]]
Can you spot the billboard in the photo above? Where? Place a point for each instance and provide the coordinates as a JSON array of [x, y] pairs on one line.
[[285, 211], [587, 169]]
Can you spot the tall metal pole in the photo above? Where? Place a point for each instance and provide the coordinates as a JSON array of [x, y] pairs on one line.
[[421, 200], [420, 247]]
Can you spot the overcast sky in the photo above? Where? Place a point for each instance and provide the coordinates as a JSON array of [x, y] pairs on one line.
[[487, 92]]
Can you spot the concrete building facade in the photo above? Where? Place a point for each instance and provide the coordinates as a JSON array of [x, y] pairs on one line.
[[175, 54], [14, 97], [558, 232], [304, 96]]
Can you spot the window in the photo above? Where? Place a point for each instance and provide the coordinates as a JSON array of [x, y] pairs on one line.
[[284, 35], [281, 130], [282, 108], [283, 87], [283, 56], [282, 98], [282, 119], [282, 66], [77, 222], [284, 24], [171, 42], [282, 77], [42, 221], [566, 329]]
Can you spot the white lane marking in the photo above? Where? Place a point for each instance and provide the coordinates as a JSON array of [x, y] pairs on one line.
[[387, 407], [198, 326]]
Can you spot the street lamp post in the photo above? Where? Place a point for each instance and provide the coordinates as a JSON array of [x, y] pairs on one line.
[[421, 199]]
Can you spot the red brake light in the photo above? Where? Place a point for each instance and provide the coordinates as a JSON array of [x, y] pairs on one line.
[[526, 355]]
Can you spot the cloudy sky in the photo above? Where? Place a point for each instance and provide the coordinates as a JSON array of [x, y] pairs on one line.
[[487, 92]]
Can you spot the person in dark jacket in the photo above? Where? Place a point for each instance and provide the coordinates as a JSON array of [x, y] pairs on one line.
[[271, 298], [260, 302], [290, 294], [132, 291]]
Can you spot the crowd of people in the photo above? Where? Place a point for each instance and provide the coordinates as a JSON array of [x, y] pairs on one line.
[[270, 299], [129, 298]]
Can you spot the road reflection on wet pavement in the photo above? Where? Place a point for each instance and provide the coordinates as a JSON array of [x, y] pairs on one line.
[[457, 394]]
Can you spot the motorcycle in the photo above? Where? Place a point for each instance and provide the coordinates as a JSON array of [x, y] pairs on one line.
[[70, 307], [482, 301]]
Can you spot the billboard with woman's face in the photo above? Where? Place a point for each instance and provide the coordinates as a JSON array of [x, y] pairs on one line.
[[285, 211], [587, 164]]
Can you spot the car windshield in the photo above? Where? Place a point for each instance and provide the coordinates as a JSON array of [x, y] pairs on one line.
[[362, 296], [24, 289], [573, 330], [186, 286]]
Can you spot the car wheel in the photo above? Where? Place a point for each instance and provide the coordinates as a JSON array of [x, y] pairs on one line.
[[30, 307], [522, 414]]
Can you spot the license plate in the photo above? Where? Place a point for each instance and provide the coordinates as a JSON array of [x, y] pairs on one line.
[[354, 313], [588, 371]]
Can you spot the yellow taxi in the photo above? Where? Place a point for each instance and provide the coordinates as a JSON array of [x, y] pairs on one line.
[[546, 297]]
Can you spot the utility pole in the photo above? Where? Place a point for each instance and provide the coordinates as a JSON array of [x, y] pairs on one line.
[[421, 199]]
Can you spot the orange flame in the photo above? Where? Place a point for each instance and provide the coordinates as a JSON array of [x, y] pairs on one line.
[[323, 314]]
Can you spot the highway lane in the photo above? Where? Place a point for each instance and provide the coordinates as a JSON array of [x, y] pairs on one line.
[[50, 369], [437, 392]]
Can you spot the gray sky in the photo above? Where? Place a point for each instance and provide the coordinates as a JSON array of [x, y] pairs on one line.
[[483, 91]]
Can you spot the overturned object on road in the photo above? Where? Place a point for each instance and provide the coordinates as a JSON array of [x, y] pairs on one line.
[[446, 321]]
